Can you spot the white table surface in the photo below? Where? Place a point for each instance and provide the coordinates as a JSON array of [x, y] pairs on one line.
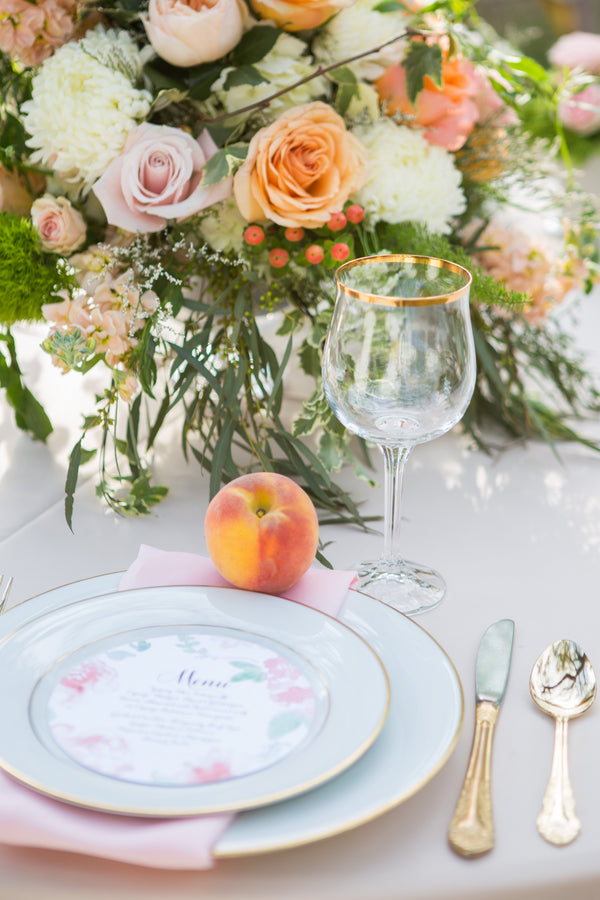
[[516, 535]]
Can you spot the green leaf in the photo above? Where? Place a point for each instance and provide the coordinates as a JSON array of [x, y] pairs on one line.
[[329, 452], [254, 45], [202, 79], [71, 481], [390, 6], [422, 59], [243, 75], [29, 413], [224, 163], [249, 671], [166, 97], [529, 67], [283, 723]]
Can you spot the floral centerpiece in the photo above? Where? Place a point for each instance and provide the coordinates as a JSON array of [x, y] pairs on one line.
[[175, 172]]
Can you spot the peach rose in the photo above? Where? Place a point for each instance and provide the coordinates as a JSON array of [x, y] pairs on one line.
[[190, 32], [14, 196], [300, 169], [447, 112], [298, 15], [157, 177], [60, 227]]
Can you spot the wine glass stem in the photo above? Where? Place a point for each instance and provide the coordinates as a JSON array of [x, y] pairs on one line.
[[394, 459]]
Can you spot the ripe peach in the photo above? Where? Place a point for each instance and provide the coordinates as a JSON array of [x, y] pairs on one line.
[[262, 532]]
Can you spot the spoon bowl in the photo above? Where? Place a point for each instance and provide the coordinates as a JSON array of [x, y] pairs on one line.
[[562, 684]]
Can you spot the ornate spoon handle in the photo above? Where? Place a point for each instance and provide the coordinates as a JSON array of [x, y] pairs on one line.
[[471, 830], [557, 822]]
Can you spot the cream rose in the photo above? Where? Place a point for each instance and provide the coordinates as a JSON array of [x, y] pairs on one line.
[[300, 169], [298, 15], [157, 177], [60, 226], [190, 32]]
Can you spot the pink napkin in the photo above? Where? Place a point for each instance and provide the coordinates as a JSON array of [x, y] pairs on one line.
[[29, 819]]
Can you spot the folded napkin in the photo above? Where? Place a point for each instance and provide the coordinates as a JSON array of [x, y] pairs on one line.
[[32, 820]]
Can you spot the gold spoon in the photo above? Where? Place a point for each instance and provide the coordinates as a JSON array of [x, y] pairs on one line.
[[563, 684]]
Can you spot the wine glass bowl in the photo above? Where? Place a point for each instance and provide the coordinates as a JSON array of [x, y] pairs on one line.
[[399, 370]]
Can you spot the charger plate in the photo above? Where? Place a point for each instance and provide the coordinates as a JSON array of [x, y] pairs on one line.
[[420, 732], [180, 701]]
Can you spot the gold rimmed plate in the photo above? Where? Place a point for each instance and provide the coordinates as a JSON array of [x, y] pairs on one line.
[[180, 701], [418, 737]]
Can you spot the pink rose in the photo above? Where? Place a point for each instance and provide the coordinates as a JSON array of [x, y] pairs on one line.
[[580, 49], [60, 227], [157, 177], [190, 32], [581, 112]]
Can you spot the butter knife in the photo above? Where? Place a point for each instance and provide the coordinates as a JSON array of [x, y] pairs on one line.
[[471, 830]]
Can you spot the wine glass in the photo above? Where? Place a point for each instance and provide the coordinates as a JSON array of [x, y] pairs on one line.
[[398, 370]]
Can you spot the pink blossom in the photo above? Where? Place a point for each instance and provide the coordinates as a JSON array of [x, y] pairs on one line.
[[92, 672], [579, 49], [69, 313], [490, 106], [528, 264], [217, 772], [30, 32], [158, 177], [294, 694], [581, 112]]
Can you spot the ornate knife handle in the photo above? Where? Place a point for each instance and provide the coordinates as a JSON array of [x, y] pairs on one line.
[[471, 830]]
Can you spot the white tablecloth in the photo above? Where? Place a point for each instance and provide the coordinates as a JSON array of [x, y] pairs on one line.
[[516, 534]]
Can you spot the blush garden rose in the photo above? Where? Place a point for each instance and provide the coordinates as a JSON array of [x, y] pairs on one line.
[[191, 32]]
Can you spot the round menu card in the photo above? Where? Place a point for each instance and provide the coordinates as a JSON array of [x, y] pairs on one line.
[[184, 708]]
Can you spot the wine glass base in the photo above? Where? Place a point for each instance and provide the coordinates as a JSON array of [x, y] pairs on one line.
[[406, 586]]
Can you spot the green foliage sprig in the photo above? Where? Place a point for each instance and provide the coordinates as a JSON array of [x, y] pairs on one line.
[[28, 276]]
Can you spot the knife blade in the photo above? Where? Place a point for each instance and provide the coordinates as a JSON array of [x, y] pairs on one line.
[[471, 831]]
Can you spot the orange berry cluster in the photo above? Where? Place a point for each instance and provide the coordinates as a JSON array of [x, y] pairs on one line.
[[314, 252]]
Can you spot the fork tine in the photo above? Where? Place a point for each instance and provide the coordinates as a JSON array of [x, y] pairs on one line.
[[5, 586]]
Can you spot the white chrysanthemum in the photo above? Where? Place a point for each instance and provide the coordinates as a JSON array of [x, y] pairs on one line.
[[223, 227], [410, 180], [283, 65], [356, 29], [81, 111]]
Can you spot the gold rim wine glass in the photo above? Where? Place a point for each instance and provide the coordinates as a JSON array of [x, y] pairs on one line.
[[398, 370]]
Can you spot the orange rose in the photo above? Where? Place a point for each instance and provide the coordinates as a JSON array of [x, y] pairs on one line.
[[300, 169], [446, 112], [298, 15]]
